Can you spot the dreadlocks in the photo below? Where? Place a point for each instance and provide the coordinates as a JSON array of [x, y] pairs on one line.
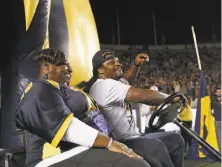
[[50, 55], [86, 85]]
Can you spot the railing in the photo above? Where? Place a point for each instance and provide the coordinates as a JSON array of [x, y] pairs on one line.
[[160, 47]]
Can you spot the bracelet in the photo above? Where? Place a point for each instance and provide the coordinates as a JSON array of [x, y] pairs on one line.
[[134, 62], [110, 142]]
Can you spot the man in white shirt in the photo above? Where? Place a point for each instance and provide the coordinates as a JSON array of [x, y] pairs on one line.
[[111, 97]]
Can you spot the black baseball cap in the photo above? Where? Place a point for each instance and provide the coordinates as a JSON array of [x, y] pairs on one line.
[[100, 57]]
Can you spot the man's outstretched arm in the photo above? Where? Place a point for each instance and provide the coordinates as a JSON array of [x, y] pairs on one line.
[[131, 73], [147, 96]]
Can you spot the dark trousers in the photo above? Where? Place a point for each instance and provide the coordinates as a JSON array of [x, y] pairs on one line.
[[187, 137], [161, 149], [96, 157], [218, 130], [150, 130]]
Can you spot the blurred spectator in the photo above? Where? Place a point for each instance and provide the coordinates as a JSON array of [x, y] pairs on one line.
[[216, 108], [186, 117]]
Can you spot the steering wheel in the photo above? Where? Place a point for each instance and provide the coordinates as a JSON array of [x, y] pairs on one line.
[[167, 111]]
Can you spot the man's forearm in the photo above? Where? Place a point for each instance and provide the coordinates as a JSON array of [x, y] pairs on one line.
[[130, 74], [101, 140], [155, 99], [82, 134], [145, 96]]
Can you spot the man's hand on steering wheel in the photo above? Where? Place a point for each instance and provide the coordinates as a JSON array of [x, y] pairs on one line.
[[167, 113], [122, 148]]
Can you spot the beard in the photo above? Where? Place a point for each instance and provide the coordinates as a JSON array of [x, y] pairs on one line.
[[119, 74]]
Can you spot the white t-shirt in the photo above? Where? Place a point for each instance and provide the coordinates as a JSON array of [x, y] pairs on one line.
[[110, 97]]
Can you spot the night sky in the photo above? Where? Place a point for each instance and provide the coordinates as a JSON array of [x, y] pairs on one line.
[[173, 17]]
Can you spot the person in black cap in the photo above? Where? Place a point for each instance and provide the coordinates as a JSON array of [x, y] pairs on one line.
[[48, 122], [111, 96]]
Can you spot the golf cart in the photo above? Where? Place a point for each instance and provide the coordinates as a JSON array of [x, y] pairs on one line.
[[168, 112]]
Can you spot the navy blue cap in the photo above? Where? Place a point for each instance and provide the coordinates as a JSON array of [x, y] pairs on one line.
[[100, 57]]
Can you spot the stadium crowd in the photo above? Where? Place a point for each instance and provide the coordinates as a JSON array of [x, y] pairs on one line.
[[177, 71]]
